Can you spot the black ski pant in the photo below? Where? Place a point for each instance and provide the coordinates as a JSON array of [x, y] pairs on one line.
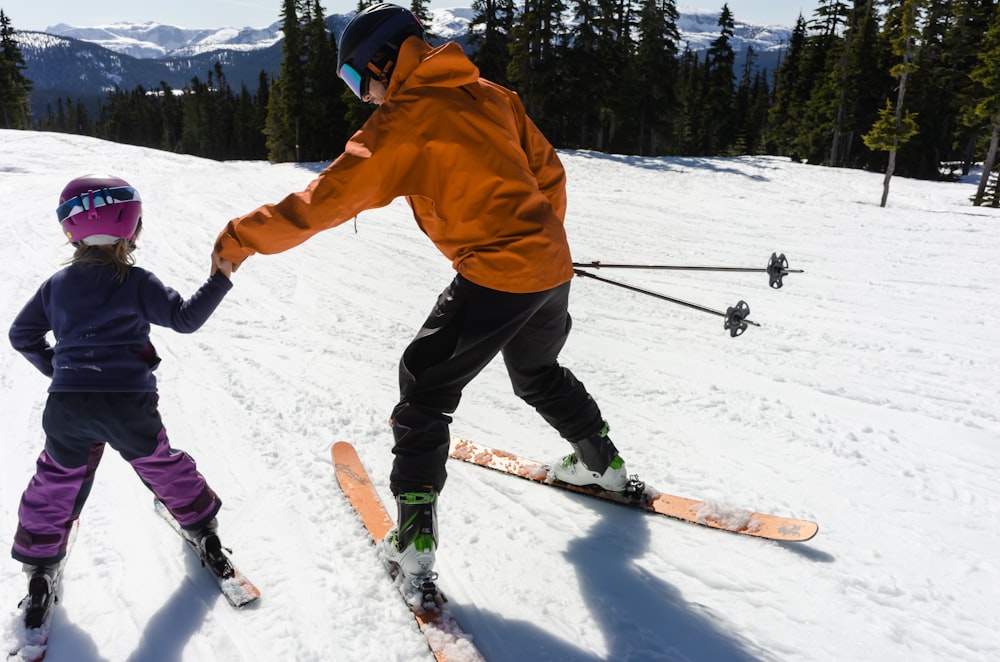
[[468, 327]]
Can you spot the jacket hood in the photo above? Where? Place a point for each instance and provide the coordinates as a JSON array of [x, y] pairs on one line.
[[420, 65]]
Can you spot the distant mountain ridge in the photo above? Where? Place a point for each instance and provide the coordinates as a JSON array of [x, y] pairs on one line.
[[85, 62], [156, 41]]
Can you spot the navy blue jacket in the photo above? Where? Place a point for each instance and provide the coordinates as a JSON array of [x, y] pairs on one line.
[[101, 326]]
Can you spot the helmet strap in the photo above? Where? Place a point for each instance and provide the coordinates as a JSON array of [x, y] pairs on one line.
[[91, 211], [384, 73]]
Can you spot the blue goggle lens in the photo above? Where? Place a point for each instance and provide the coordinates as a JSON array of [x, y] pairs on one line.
[[353, 79]]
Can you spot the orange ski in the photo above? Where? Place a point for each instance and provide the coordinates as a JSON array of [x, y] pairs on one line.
[[444, 636], [772, 527]]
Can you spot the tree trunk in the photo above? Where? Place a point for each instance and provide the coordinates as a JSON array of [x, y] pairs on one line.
[[907, 58], [991, 156], [899, 120], [889, 169]]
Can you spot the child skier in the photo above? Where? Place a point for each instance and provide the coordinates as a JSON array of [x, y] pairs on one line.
[[99, 309]]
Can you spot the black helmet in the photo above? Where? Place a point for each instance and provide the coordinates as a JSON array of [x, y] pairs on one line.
[[372, 37]]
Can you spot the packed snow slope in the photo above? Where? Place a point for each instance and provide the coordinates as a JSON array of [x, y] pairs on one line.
[[868, 400]]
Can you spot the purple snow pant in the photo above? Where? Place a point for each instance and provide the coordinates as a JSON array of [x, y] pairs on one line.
[[77, 427]]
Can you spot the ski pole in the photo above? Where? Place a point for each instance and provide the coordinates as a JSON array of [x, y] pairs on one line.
[[735, 316], [777, 268]]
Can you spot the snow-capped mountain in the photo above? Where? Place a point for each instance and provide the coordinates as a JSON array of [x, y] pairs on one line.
[[63, 68], [156, 41], [698, 28], [83, 63]]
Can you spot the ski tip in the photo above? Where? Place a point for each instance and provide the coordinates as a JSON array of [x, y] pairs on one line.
[[792, 531], [343, 451], [239, 591], [810, 531]]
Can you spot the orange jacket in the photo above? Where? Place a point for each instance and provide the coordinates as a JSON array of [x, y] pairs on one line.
[[483, 182]]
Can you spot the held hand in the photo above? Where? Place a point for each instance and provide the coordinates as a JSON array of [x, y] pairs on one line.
[[221, 264]]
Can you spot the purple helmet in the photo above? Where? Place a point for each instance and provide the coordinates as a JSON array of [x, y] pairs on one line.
[[99, 210]]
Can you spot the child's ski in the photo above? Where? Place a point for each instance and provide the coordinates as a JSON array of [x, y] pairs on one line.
[[444, 635], [772, 527], [237, 589]]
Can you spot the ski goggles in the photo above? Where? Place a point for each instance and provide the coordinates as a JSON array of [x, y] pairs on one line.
[[352, 78], [95, 200]]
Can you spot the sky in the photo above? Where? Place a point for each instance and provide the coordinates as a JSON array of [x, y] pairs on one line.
[[36, 15], [865, 401]]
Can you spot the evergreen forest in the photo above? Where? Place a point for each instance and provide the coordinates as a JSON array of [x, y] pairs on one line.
[[905, 87]]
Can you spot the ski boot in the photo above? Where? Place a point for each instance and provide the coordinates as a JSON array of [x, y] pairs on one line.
[[411, 545], [213, 554], [42, 584], [594, 461]]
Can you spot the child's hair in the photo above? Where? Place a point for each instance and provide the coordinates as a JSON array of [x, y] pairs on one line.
[[117, 255]]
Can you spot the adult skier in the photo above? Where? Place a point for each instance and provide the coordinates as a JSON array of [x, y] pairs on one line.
[[489, 190]]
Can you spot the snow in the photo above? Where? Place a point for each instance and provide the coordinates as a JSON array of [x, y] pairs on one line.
[[866, 401]]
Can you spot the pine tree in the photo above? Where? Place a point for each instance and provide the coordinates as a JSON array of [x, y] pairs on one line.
[[985, 111], [260, 107], [895, 127], [286, 107], [825, 47], [196, 132], [323, 127], [585, 79], [421, 10], [930, 94], [756, 121], [621, 95], [171, 118], [15, 87], [223, 114], [490, 35], [936, 87], [279, 134], [790, 95], [655, 72], [721, 88], [83, 125], [750, 107], [60, 123], [692, 125], [963, 42], [860, 80], [535, 62]]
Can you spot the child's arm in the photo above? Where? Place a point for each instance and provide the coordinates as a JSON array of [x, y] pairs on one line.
[[27, 335], [163, 306]]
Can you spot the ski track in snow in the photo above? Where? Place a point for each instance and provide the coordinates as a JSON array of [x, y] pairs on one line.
[[866, 401]]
